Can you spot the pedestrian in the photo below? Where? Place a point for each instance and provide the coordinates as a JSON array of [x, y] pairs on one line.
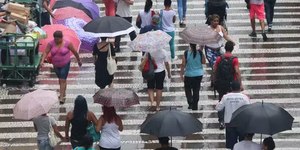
[[100, 53], [247, 143], [213, 50], [164, 142], [123, 10], [257, 9], [156, 84], [168, 18], [45, 11], [181, 6], [60, 54], [268, 143], [109, 7], [42, 126], [110, 125], [230, 103], [191, 73], [269, 10], [80, 117], [86, 143], [144, 17], [226, 70]]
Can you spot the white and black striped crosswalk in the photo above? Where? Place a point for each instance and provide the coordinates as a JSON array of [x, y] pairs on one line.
[[270, 72]]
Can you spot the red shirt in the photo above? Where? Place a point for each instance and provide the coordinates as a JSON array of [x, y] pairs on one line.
[[235, 63]]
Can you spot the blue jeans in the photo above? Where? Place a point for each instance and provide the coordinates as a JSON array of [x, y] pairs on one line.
[[172, 43], [44, 144], [181, 6], [269, 10]]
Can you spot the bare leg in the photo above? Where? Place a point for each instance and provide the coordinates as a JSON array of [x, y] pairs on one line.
[[253, 24], [262, 25], [151, 96], [158, 98], [62, 89]]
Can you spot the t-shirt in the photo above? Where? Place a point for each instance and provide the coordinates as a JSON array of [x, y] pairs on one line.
[[193, 66], [258, 2], [231, 102], [167, 20], [160, 57], [123, 9], [235, 63], [146, 18], [42, 124], [247, 145]]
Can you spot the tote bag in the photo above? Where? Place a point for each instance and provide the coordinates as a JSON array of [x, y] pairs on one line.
[[53, 139], [111, 63]]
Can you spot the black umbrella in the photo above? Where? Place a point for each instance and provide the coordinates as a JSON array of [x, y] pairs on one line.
[[61, 4], [109, 26], [264, 118], [171, 123]]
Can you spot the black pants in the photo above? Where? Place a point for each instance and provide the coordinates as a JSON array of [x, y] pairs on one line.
[[269, 10], [132, 35], [101, 148], [192, 88], [232, 137]]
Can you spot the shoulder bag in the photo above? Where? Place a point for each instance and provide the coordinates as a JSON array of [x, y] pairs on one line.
[[111, 63], [53, 139]]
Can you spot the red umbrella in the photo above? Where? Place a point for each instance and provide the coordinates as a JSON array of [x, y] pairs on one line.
[[69, 12], [68, 34]]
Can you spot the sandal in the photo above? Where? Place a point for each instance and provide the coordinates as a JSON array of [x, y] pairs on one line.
[[62, 100]]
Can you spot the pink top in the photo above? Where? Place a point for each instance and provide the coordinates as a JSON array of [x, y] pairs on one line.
[[60, 55]]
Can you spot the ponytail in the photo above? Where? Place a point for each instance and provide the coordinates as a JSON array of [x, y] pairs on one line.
[[194, 49], [148, 6]]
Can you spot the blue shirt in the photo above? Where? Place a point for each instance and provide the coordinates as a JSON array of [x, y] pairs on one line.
[[193, 66]]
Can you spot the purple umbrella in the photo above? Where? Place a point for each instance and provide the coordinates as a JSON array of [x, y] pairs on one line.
[[91, 6]]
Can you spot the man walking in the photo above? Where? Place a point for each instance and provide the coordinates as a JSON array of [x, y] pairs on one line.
[[269, 9], [231, 102], [226, 70], [257, 9]]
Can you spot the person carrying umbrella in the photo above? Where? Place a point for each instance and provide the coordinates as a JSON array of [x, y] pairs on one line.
[[247, 143], [164, 142], [231, 102]]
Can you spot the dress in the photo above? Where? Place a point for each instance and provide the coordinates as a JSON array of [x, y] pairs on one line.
[[102, 77]]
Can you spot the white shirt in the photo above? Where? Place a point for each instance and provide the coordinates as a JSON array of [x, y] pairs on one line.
[[160, 57], [167, 20], [247, 145], [146, 18], [123, 9], [231, 102], [110, 136]]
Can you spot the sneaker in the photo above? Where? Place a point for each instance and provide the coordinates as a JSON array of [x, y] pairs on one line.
[[264, 35], [253, 34], [269, 27], [222, 125], [174, 59]]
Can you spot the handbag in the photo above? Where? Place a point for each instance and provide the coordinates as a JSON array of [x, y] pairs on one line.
[[53, 139], [91, 130], [111, 63]]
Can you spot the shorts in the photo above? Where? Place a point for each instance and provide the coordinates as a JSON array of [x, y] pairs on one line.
[[157, 82], [259, 10], [62, 72]]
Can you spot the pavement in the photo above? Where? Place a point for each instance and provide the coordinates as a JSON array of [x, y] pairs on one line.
[[270, 73]]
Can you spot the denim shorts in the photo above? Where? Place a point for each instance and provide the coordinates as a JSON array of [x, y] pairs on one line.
[[62, 72], [43, 144]]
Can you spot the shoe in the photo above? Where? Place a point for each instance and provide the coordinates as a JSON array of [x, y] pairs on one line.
[[253, 34], [264, 35], [222, 125], [62, 100], [174, 59], [182, 24], [190, 107], [269, 27]]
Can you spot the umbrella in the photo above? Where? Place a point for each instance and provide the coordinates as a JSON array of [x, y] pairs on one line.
[[34, 104], [150, 41], [91, 6], [264, 118], [68, 34], [64, 3], [116, 97], [68, 12], [109, 26], [171, 123], [199, 35]]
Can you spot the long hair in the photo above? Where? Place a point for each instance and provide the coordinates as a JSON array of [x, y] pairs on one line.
[[148, 6], [194, 49], [109, 113], [80, 108]]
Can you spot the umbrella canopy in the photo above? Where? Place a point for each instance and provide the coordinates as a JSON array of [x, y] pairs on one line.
[[69, 12], [264, 118], [68, 34], [109, 26], [34, 104], [150, 41], [111, 97], [66, 3], [201, 35], [91, 6], [171, 123]]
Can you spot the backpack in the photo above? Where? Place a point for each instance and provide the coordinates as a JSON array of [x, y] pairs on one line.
[[216, 7], [148, 67], [225, 73]]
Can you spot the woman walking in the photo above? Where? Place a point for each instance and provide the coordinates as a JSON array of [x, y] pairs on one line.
[[181, 6], [60, 52], [79, 118], [100, 53], [145, 16], [110, 125], [191, 73]]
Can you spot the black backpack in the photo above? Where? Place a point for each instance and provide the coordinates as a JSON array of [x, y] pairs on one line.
[[225, 73], [216, 7]]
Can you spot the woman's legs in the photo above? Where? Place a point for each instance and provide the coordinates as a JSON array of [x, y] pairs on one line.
[[188, 91], [62, 89], [180, 10], [196, 85], [151, 96], [184, 9], [158, 98], [44, 145], [172, 44]]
